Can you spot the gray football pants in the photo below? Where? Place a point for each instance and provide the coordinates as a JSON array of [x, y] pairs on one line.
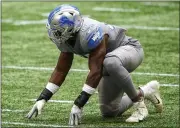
[[116, 80]]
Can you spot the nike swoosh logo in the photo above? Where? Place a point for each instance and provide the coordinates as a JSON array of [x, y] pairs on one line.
[[157, 99]]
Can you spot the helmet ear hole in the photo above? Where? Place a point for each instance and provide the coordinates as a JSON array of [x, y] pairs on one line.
[[71, 13]]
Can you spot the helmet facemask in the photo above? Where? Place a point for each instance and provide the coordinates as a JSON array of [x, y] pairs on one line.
[[62, 36]]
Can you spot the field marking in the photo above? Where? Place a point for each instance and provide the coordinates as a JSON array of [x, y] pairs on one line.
[[24, 22], [160, 4], [44, 21], [85, 70], [37, 125], [150, 28], [155, 74], [9, 110], [173, 85], [114, 9], [57, 101]]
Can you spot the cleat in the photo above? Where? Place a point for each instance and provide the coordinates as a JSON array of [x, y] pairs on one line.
[[151, 93], [140, 113]]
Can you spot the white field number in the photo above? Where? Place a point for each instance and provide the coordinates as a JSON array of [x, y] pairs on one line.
[[96, 36]]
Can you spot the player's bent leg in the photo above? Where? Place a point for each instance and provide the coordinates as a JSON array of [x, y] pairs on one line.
[[109, 97], [151, 93], [111, 104], [118, 64], [125, 104], [120, 76]]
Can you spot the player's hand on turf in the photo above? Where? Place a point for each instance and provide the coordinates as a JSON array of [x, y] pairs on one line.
[[75, 115], [36, 109]]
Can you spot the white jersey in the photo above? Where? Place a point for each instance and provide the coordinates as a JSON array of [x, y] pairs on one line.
[[90, 35]]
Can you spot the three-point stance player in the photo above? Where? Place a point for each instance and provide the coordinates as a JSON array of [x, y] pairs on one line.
[[111, 57]]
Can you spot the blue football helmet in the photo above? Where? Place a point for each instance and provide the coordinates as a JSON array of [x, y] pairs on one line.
[[63, 22]]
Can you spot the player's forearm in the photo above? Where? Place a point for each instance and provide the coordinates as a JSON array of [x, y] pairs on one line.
[[62, 68], [94, 77], [58, 76]]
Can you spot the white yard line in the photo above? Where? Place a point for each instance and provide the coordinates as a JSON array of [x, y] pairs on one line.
[[40, 68], [28, 68], [57, 101], [46, 125], [115, 9], [85, 70], [6, 20], [173, 85], [160, 4], [9, 110], [15, 111], [24, 22], [37, 125], [149, 28], [60, 101], [44, 21], [155, 74]]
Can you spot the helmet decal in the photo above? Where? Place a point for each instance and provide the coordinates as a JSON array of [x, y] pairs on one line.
[[65, 21]]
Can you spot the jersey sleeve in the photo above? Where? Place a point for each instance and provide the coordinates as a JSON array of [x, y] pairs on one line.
[[95, 37]]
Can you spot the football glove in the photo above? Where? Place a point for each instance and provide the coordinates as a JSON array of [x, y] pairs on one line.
[[75, 115], [36, 109]]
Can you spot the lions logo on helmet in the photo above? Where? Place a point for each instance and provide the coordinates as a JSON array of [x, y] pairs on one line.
[[63, 21]]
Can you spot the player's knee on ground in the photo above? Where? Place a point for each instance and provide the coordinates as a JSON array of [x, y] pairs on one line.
[[109, 110]]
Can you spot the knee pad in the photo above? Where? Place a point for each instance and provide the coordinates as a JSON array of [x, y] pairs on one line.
[[111, 63], [114, 67]]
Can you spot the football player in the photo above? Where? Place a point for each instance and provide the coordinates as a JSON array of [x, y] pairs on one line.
[[112, 56]]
